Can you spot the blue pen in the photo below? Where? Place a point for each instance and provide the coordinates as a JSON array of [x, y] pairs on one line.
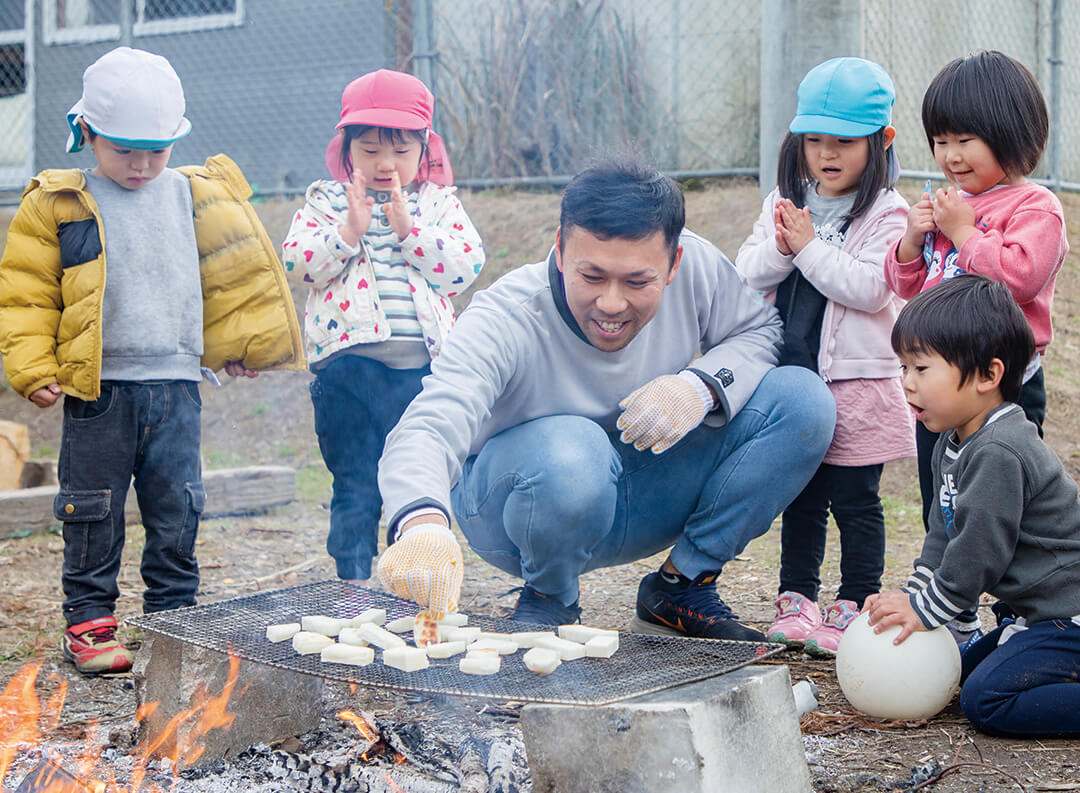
[[928, 240]]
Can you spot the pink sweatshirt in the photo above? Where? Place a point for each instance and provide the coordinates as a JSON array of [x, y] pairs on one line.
[[1021, 242]]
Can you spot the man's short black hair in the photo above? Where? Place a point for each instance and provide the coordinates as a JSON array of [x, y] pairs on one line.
[[992, 96], [969, 320], [623, 198]]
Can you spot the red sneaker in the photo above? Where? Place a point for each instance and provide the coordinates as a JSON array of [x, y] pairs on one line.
[[94, 649]]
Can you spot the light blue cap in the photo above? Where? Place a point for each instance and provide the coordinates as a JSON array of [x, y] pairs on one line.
[[847, 97]]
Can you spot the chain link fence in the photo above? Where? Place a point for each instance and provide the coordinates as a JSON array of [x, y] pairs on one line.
[[528, 90]]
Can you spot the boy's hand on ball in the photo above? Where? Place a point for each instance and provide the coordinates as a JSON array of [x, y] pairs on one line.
[[893, 608]]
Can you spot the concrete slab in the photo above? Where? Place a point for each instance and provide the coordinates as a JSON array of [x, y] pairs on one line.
[[736, 733], [267, 704]]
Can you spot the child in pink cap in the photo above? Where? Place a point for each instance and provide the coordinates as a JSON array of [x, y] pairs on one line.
[[383, 245]]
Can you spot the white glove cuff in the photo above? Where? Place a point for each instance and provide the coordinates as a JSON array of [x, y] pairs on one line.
[[700, 387], [429, 528]]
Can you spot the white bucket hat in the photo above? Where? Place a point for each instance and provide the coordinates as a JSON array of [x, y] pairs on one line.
[[132, 97]]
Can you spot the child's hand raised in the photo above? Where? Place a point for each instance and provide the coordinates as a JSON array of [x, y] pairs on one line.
[[398, 209], [795, 225], [781, 241], [920, 222], [360, 206], [954, 216]]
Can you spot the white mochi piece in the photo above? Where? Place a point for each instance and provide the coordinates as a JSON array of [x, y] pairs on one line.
[[468, 633], [528, 638], [283, 631], [484, 662], [454, 619], [418, 629], [373, 634], [377, 616], [306, 642], [567, 650], [401, 624], [601, 646], [582, 633], [352, 636], [407, 659], [317, 623], [503, 646], [445, 649], [541, 660], [347, 654]]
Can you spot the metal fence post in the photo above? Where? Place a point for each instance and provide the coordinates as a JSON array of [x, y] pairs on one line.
[[126, 21], [1056, 118], [424, 53]]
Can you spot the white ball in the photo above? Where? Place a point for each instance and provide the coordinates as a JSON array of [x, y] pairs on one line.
[[912, 680]]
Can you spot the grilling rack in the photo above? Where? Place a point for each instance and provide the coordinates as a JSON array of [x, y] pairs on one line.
[[643, 663]]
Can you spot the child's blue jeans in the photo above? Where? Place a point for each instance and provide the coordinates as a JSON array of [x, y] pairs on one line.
[[357, 402], [1028, 686], [150, 431], [558, 496]]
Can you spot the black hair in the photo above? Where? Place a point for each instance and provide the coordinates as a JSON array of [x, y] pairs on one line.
[[995, 97], [969, 320], [793, 173], [623, 198], [389, 135]]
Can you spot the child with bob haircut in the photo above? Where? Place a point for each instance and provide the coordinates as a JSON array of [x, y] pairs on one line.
[[986, 122], [383, 246], [819, 248], [192, 284], [1007, 519]]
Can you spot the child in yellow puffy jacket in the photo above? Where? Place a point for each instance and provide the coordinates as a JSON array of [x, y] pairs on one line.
[[193, 285]]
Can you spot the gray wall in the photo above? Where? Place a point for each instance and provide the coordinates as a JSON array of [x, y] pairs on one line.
[[266, 93]]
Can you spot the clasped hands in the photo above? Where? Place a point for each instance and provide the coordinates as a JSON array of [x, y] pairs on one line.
[[946, 211]]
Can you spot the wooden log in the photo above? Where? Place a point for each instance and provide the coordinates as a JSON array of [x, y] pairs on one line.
[[229, 491], [14, 452]]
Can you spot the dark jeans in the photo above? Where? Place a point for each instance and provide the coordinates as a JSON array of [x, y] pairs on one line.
[[150, 431], [851, 493], [1028, 686], [357, 402]]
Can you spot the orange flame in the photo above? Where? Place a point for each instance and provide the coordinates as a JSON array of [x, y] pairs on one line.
[[355, 719], [25, 723], [390, 782]]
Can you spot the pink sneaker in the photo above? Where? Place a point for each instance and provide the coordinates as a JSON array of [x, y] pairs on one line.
[[795, 618], [823, 640]]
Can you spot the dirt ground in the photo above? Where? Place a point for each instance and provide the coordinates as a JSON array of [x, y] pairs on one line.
[[268, 420]]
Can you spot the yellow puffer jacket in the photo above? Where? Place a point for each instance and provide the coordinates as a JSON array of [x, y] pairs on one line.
[[50, 307]]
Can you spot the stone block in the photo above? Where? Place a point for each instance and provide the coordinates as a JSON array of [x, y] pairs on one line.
[[735, 733], [266, 703]]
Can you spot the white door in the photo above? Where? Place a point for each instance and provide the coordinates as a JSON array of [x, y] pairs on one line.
[[16, 96]]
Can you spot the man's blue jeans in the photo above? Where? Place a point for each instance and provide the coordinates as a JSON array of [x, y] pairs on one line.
[[1028, 686], [558, 496], [150, 431]]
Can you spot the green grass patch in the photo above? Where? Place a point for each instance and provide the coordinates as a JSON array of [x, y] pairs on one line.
[[313, 484]]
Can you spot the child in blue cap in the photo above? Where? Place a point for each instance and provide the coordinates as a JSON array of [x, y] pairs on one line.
[[192, 281], [818, 249]]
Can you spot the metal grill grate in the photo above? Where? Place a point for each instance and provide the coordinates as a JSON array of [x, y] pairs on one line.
[[643, 663]]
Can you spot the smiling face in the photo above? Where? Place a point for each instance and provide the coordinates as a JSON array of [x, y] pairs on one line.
[[613, 286], [129, 168], [836, 163], [940, 400], [376, 157], [969, 163]]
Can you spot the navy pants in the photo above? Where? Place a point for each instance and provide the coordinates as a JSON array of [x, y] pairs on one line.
[[357, 402], [1028, 686], [851, 493], [149, 431]]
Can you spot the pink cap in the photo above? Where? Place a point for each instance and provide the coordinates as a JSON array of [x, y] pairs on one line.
[[396, 100]]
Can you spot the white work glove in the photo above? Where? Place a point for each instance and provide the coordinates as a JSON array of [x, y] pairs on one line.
[[425, 566], [662, 411]]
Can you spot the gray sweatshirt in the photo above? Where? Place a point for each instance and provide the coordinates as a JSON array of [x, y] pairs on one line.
[[517, 354], [1007, 523]]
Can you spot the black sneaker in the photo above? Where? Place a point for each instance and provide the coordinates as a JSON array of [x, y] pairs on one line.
[[675, 605], [543, 610]]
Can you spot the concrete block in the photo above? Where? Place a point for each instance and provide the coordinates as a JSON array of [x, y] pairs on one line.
[[266, 703], [736, 733]]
